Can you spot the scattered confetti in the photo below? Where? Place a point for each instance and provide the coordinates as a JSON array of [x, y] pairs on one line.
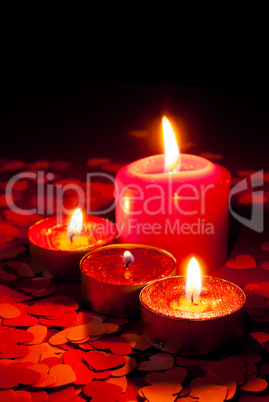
[[103, 361], [265, 265], [97, 161], [242, 261], [11, 252], [265, 246], [254, 384], [9, 311], [118, 345], [160, 361], [102, 391], [52, 349]]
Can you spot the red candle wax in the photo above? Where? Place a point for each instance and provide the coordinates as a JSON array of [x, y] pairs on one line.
[[173, 324], [183, 212], [112, 286], [55, 255]]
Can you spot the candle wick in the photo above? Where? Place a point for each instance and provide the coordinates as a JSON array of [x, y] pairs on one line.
[[72, 237], [127, 264], [192, 298], [175, 167]]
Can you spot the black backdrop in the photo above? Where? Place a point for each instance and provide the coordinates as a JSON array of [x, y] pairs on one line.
[[75, 120]]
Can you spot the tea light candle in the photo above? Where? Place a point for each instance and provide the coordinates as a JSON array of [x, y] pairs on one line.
[[112, 276], [57, 244], [176, 202], [178, 319]]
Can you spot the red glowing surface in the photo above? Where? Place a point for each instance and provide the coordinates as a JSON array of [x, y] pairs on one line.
[[51, 234], [221, 297], [107, 266]]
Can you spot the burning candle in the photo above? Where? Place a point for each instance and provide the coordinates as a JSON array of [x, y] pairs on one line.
[[57, 244], [112, 276], [192, 317], [176, 202]]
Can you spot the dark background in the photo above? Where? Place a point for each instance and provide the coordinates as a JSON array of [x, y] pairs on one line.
[[76, 120]]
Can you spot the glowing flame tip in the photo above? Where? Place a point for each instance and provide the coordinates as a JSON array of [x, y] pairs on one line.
[[75, 225], [172, 155], [194, 283]]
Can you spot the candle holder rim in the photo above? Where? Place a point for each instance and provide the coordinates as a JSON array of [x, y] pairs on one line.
[[130, 246], [88, 218], [189, 319]]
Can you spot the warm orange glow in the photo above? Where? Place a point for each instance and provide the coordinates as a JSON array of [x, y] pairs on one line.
[[172, 155], [194, 283], [76, 223]]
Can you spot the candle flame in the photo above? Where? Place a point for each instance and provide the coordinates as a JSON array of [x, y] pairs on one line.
[[127, 258], [172, 154], [75, 225], [194, 283]]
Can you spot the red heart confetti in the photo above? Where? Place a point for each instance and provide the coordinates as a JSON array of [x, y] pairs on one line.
[[13, 376], [9, 311], [60, 165], [17, 335], [120, 381], [265, 246], [160, 361], [163, 391], [14, 165], [64, 374], [73, 357], [103, 361], [46, 292], [176, 374], [46, 379], [265, 265], [35, 353], [254, 384], [207, 391], [33, 284], [100, 391], [39, 165], [51, 361], [39, 332], [22, 268], [11, 252], [250, 198], [23, 320], [38, 396], [227, 369], [261, 337], [64, 321], [129, 366], [83, 374], [93, 162], [136, 341], [262, 290], [243, 261], [85, 317], [8, 229], [117, 345]]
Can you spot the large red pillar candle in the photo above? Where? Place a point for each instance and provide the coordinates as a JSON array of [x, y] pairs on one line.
[[192, 324], [56, 251], [112, 276], [183, 211]]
